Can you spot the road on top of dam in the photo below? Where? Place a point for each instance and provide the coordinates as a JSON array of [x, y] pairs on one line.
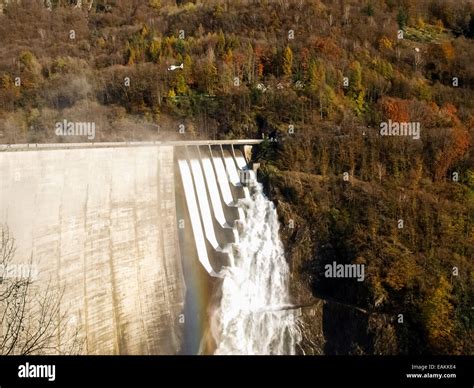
[[53, 146]]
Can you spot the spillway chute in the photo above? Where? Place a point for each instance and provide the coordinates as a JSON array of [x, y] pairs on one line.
[[195, 216]]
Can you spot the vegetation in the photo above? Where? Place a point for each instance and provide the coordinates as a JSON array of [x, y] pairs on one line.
[[330, 70], [31, 319]]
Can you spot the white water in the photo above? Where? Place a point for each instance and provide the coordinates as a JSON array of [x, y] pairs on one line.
[[250, 317]]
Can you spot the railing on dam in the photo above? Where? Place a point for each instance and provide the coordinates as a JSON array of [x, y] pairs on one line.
[[53, 146]]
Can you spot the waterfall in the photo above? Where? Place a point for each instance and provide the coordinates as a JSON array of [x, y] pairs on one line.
[[252, 315]]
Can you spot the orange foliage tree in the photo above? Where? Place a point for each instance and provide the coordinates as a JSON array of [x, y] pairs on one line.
[[395, 109], [455, 146]]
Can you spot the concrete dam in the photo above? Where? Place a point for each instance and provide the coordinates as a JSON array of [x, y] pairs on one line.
[[157, 248]]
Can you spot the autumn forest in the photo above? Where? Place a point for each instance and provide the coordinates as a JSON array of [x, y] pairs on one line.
[[315, 79]]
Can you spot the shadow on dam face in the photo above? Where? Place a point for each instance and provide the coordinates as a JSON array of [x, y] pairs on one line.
[[111, 227], [197, 280]]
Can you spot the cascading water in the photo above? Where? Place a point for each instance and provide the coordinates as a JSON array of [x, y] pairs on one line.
[[252, 316]]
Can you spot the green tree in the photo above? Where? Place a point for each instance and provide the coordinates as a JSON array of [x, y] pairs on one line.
[[402, 18], [317, 76], [209, 72], [181, 85], [155, 4], [154, 50], [369, 9], [439, 316], [356, 90], [188, 69], [288, 62], [220, 45]]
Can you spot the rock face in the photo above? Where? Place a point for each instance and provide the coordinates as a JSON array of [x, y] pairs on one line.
[[101, 225]]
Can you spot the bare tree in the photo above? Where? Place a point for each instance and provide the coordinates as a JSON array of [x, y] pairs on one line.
[[31, 319]]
